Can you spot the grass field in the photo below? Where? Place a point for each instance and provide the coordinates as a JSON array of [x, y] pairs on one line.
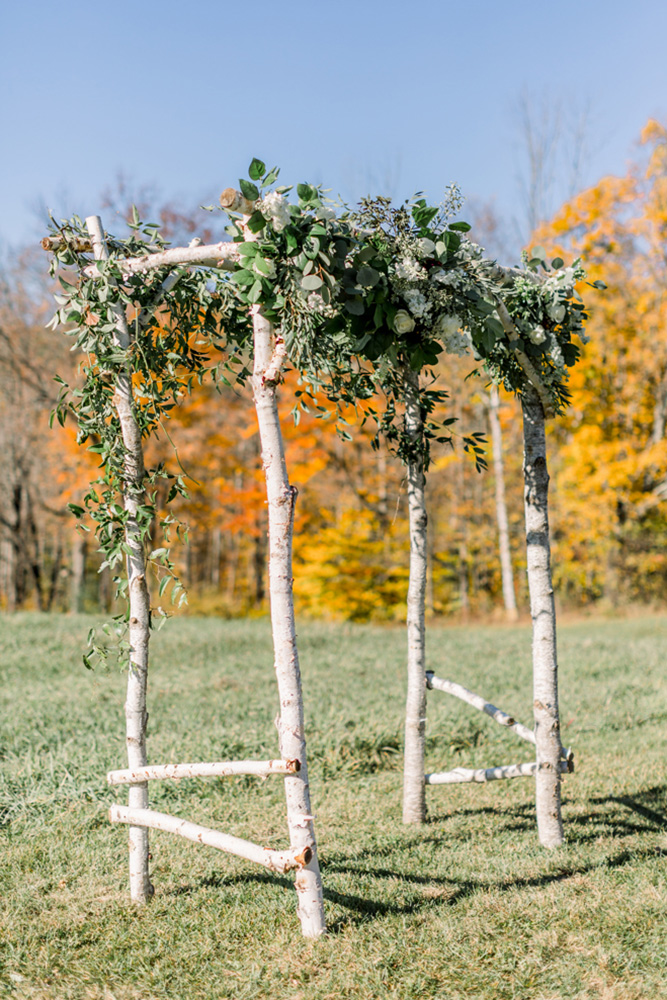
[[466, 906]]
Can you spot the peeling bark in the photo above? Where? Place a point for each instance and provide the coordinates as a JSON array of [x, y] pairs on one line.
[[482, 774], [543, 613], [504, 550], [268, 352], [276, 861], [136, 716], [414, 798], [476, 700], [216, 769]]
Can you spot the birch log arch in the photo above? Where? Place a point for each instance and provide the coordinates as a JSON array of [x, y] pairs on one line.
[[361, 303]]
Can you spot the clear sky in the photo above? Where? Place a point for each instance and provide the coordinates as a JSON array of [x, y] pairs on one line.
[[361, 95]]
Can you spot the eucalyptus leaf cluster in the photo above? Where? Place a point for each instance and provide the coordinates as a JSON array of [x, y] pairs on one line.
[[177, 339]]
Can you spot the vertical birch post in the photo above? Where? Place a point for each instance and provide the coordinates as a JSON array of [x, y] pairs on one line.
[[136, 716], [269, 353], [543, 613], [414, 798], [509, 597]]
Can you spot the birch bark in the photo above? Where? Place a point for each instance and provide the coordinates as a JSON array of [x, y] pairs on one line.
[[543, 613], [136, 717], [269, 353], [509, 596], [414, 797]]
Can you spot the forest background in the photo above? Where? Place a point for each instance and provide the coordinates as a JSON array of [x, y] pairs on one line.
[[608, 466], [608, 457]]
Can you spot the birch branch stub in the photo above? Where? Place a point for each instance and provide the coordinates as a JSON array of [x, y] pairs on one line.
[[277, 861], [482, 774], [216, 769], [476, 700]]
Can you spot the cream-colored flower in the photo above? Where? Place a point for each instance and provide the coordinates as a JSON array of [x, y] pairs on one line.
[[403, 322], [537, 336], [427, 247]]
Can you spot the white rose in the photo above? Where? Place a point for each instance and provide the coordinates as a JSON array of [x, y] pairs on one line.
[[403, 322], [427, 247], [557, 312], [538, 336]]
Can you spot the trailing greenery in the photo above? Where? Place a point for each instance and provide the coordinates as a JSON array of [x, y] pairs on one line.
[[357, 297]]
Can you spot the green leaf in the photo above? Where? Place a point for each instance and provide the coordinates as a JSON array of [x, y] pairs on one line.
[[460, 227], [247, 249], [495, 327], [256, 170], [355, 307], [249, 191], [255, 293], [368, 276], [256, 222], [164, 583], [310, 282], [557, 263], [540, 253], [306, 192], [243, 277]]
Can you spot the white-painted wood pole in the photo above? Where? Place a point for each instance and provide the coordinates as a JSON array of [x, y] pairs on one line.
[[136, 716], [414, 798], [482, 774], [476, 700], [277, 861], [216, 769], [543, 613]]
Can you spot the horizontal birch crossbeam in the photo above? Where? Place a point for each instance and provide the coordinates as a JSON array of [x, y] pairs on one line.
[[216, 769], [488, 773], [476, 700], [212, 255], [275, 861]]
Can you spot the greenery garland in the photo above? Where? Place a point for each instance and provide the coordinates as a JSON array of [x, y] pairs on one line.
[[356, 296]]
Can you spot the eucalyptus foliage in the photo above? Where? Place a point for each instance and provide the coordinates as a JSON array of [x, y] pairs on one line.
[[358, 297]]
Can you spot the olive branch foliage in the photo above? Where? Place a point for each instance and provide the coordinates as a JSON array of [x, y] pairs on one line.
[[358, 297]]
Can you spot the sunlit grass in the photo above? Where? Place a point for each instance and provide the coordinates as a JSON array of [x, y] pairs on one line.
[[466, 906]]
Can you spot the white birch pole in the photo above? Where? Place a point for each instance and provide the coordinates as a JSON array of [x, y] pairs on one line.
[[482, 774], [216, 769], [136, 716], [269, 354], [414, 797], [504, 550], [476, 700], [543, 613], [277, 861]]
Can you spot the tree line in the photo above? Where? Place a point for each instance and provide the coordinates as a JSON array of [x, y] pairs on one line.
[[608, 462]]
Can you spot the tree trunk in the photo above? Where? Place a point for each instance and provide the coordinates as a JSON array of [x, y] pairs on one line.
[[281, 499], [78, 573], [543, 613], [414, 799], [509, 596], [136, 717]]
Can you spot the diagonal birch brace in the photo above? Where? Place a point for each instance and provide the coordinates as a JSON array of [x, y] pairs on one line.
[[136, 716], [476, 700], [217, 769], [275, 861]]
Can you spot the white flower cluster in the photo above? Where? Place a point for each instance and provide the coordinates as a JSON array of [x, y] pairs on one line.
[[409, 270], [418, 304], [454, 339], [275, 209], [324, 213]]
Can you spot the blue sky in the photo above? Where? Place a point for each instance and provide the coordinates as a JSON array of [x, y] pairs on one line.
[[361, 95]]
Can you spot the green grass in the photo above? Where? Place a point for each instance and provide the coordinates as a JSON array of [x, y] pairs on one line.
[[466, 906]]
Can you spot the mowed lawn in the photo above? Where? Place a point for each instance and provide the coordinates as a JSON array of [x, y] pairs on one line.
[[466, 906]]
